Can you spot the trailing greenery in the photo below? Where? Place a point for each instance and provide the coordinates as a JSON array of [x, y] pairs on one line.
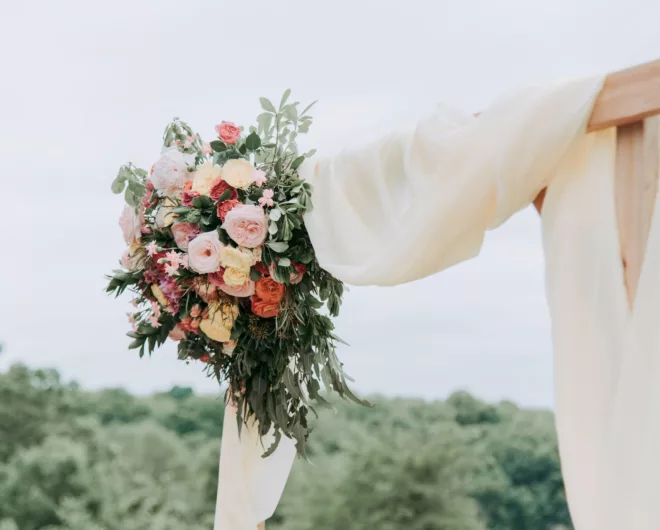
[[107, 460]]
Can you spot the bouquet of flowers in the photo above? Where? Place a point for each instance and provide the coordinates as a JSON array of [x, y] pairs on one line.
[[219, 260]]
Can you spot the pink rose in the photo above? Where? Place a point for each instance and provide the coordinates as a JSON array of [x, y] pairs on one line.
[[188, 196], [218, 188], [177, 333], [247, 225], [184, 233], [130, 224], [228, 132], [204, 252]]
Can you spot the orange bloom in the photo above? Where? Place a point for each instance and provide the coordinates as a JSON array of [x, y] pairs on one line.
[[269, 290], [264, 309]]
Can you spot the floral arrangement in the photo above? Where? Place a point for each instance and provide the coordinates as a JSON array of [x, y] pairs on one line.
[[219, 260]]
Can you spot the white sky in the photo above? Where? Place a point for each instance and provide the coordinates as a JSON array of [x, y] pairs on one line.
[[86, 86]]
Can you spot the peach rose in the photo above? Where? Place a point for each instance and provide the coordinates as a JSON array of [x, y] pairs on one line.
[[239, 173], [240, 291], [225, 207], [228, 132], [184, 233], [247, 225], [205, 176], [269, 290], [177, 333]]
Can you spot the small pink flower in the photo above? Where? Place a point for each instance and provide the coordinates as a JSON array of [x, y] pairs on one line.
[[154, 321], [259, 177], [156, 309], [188, 142], [207, 149], [152, 248], [228, 132], [174, 258], [267, 198], [194, 137], [171, 269]]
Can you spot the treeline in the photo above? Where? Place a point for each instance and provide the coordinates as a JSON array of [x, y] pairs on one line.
[[77, 460]]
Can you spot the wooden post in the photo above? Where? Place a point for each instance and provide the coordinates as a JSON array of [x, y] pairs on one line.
[[636, 186]]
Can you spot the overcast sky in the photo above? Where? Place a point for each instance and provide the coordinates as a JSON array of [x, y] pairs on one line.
[[87, 85]]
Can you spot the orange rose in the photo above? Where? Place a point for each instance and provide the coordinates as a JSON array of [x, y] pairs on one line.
[[264, 309], [269, 290]]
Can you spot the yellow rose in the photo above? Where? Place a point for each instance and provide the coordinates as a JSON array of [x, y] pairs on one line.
[[158, 293], [236, 258], [235, 277], [238, 173], [220, 321], [214, 330], [204, 177]]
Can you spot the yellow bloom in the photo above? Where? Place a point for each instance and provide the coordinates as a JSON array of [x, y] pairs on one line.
[[220, 321], [158, 293], [215, 331], [237, 258], [204, 177], [235, 277], [238, 173]]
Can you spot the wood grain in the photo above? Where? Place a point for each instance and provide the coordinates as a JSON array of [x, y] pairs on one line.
[[627, 96], [635, 187]]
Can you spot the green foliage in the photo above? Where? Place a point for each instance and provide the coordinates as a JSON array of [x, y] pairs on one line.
[[108, 460]]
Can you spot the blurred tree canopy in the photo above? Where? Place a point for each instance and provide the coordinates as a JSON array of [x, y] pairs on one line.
[[108, 460]]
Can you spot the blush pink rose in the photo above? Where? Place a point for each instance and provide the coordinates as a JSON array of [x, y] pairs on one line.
[[228, 132], [184, 233], [130, 223], [247, 225], [204, 252]]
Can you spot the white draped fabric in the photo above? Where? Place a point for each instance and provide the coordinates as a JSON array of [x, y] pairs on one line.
[[420, 200]]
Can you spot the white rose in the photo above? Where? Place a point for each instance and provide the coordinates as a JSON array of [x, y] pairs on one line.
[[170, 172], [238, 173], [205, 176]]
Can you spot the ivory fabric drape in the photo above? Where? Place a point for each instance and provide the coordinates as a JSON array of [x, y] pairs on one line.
[[420, 200]]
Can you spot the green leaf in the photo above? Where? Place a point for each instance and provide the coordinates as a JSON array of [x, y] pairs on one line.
[[253, 142], [118, 185], [284, 262], [277, 246], [296, 163], [218, 146], [130, 198], [308, 107], [285, 97], [275, 214], [254, 274], [272, 228], [267, 105]]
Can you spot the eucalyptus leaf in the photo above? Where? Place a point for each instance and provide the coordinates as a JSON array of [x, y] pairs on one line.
[[267, 105]]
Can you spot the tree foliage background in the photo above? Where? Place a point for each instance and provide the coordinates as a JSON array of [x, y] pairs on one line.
[[108, 460]]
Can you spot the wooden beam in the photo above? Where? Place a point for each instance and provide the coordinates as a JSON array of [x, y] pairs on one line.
[[627, 96], [636, 186]]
